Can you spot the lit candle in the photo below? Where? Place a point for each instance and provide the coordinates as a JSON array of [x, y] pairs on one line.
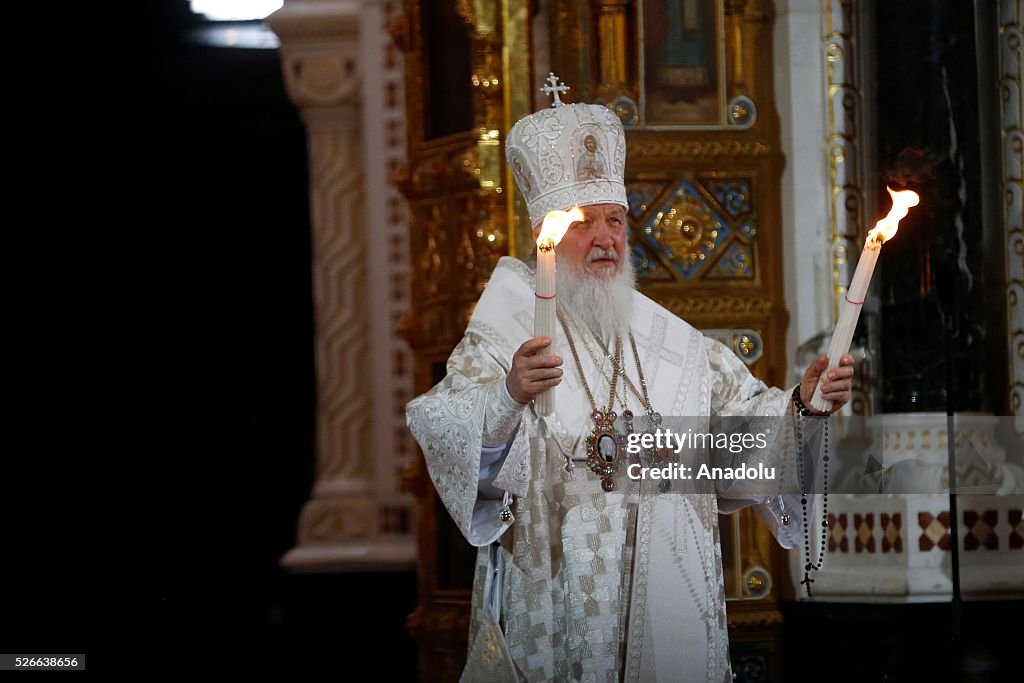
[[544, 316], [850, 307]]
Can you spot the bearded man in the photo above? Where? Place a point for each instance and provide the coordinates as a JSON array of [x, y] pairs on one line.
[[577, 578]]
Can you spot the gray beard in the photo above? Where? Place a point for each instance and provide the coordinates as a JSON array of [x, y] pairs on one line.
[[602, 305]]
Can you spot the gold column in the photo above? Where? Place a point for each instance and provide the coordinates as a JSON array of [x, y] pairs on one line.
[[518, 91], [1011, 89], [737, 62], [612, 57]]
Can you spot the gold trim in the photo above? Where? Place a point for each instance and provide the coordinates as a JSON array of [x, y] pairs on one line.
[[843, 121], [466, 11], [518, 77], [694, 150], [716, 305], [611, 36], [753, 620], [1011, 89]]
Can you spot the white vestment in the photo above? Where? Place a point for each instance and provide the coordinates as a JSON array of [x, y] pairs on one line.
[[595, 586]]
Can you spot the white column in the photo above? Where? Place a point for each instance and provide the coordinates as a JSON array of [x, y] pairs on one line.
[[386, 228], [346, 523], [800, 94]]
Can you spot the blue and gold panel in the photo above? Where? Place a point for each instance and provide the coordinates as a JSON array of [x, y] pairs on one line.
[[737, 263], [732, 195], [646, 266], [641, 197], [703, 230], [685, 231], [747, 231]]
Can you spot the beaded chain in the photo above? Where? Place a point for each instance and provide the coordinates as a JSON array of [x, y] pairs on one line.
[[809, 566]]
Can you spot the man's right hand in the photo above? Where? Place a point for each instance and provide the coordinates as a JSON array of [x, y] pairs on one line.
[[533, 372]]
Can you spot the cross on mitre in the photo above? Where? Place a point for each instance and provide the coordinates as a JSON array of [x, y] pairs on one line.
[[554, 89]]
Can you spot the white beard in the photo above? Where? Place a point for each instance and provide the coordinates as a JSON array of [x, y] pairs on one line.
[[603, 305]]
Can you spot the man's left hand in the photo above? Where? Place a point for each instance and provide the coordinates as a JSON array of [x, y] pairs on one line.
[[836, 384]]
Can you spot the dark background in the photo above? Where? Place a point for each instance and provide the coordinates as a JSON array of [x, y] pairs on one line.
[[151, 540]]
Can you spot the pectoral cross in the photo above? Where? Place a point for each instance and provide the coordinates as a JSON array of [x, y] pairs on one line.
[[554, 89]]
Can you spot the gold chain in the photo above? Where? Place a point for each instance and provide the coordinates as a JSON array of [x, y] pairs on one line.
[[598, 364], [616, 364], [644, 400], [627, 381], [640, 373]]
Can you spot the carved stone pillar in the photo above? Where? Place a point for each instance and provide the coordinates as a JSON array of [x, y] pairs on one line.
[[806, 191], [347, 523]]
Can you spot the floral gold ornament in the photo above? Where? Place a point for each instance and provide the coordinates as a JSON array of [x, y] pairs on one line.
[[742, 111], [687, 229]]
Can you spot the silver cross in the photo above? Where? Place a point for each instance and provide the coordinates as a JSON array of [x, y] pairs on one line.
[[554, 89]]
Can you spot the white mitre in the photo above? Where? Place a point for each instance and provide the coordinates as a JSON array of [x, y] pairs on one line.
[[567, 155]]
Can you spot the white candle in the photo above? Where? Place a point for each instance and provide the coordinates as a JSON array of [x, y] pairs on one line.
[[850, 307], [544, 314]]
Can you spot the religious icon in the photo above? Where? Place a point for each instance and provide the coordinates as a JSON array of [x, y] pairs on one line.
[[681, 62], [607, 447], [591, 163], [603, 448]]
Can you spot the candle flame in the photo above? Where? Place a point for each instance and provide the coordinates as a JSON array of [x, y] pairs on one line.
[[887, 227], [555, 224]]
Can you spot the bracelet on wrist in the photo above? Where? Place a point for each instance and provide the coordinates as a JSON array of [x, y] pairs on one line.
[[802, 409]]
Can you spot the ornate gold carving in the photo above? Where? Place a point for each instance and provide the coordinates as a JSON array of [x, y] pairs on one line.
[[442, 170], [518, 93], [398, 29], [1011, 70], [466, 10], [692, 150], [611, 36], [746, 345], [570, 46], [753, 619], [687, 228], [757, 582], [842, 142], [715, 305], [456, 187], [737, 71]]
